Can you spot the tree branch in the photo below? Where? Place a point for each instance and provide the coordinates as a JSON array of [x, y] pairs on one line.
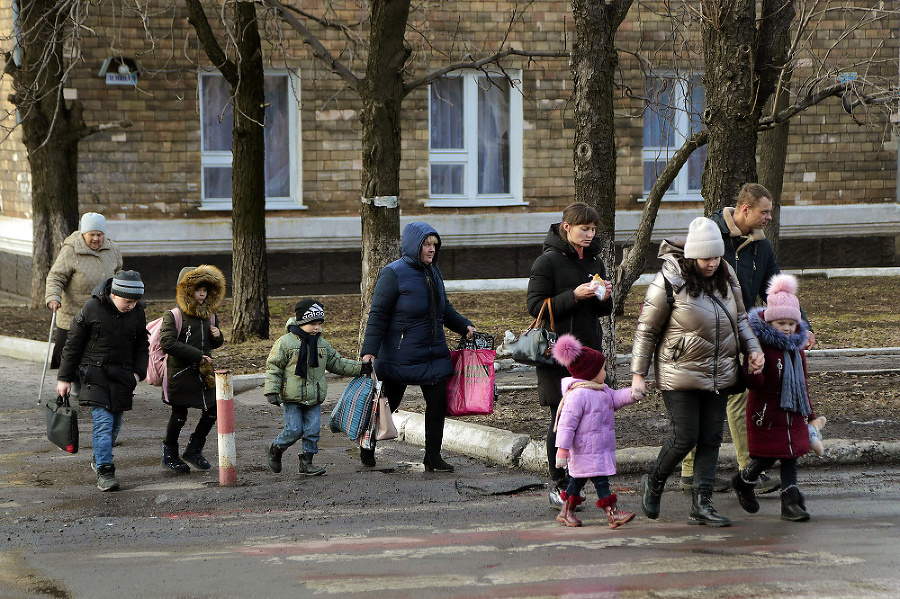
[[478, 64], [318, 50], [197, 18]]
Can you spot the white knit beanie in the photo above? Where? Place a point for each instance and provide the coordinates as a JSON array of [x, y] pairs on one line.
[[704, 240], [92, 221]]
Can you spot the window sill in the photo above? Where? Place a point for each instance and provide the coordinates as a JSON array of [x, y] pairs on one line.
[[273, 204], [690, 197], [486, 202]]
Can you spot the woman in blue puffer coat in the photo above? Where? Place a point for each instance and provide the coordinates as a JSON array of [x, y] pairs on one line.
[[405, 335]]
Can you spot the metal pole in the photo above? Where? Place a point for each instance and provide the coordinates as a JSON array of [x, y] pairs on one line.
[[225, 423], [47, 358]]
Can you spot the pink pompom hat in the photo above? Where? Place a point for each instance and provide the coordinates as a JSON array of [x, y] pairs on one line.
[[781, 299], [583, 362]]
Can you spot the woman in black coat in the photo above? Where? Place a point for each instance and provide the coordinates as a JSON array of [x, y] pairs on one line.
[[564, 273], [405, 335]]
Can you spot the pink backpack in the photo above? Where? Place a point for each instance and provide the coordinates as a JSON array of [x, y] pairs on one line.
[[156, 368]]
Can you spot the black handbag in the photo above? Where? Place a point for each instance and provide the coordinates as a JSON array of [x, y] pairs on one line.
[[62, 424], [534, 344]]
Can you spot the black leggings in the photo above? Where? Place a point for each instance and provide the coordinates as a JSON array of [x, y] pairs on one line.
[[179, 417], [435, 409]]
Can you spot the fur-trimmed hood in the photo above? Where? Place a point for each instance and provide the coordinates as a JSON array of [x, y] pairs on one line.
[[192, 277], [767, 335], [735, 231]]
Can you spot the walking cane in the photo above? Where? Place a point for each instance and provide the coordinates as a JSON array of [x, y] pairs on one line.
[[47, 359]]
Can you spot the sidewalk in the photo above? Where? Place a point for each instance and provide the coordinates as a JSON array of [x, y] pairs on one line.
[[520, 451]]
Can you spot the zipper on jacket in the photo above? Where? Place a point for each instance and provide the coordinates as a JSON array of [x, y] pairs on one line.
[[402, 335], [716, 356], [787, 417]]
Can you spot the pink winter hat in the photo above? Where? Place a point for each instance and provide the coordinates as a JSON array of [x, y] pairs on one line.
[[781, 299], [583, 362]]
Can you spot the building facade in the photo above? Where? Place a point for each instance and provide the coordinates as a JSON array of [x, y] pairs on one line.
[[486, 154]]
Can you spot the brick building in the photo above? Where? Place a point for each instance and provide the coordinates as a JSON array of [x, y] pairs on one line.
[[489, 164]]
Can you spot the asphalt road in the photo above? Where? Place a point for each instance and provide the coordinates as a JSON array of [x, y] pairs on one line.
[[483, 531]]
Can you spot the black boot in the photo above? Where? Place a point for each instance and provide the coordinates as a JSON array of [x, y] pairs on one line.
[[434, 463], [703, 512], [274, 458], [171, 460], [745, 492], [306, 466], [367, 457], [652, 495], [192, 453], [791, 507]]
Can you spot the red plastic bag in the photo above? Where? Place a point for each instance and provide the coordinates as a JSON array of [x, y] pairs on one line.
[[470, 389]]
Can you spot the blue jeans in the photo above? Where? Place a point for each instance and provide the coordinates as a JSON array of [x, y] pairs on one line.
[[106, 430], [697, 420], [300, 421]]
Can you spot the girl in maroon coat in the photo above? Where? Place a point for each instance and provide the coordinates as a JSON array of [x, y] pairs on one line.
[[778, 407]]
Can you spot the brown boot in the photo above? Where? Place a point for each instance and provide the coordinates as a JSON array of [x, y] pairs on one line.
[[614, 515], [567, 513]]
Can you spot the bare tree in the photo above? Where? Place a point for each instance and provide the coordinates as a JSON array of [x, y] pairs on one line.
[[594, 62], [382, 90], [51, 127], [767, 66], [248, 221]]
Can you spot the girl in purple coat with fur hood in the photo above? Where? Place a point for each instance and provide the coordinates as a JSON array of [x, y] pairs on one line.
[[586, 430]]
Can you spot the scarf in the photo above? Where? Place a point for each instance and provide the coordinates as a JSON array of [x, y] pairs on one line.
[[309, 351], [794, 397]]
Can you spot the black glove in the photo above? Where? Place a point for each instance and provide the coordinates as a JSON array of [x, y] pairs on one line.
[[273, 399], [366, 368]]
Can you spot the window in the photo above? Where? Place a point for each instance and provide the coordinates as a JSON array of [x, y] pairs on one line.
[[282, 139], [672, 116], [475, 141]]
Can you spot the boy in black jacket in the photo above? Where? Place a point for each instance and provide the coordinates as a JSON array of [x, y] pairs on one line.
[[107, 351]]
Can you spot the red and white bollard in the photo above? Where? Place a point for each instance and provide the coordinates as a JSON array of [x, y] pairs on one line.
[[225, 423]]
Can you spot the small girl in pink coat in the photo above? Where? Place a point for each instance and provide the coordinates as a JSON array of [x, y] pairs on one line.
[[585, 430]]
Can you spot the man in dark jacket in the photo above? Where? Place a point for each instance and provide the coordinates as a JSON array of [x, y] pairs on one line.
[[564, 274], [751, 256], [107, 351]]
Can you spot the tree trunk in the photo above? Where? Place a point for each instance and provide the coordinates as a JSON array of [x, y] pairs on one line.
[[50, 133], [773, 60], [594, 60], [733, 104], [250, 282], [382, 94]]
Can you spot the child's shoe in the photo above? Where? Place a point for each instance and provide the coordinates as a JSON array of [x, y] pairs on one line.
[[274, 458], [306, 466], [171, 460], [614, 515], [567, 513], [106, 478], [193, 456]]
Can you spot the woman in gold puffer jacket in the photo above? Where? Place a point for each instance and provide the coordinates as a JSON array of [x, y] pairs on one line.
[[693, 321]]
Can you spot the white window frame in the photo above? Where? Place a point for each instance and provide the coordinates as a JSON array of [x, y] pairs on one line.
[[679, 190], [225, 159], [469, 155]]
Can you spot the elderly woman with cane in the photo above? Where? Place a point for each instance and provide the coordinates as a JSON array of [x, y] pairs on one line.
[[86, 259]]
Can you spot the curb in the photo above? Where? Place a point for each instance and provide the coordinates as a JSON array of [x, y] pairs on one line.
[[518, 450]]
